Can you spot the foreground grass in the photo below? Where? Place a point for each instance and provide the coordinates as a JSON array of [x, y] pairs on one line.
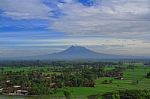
[[130, 75]]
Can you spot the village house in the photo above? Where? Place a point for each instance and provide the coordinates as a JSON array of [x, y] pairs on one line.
[[13, 90]]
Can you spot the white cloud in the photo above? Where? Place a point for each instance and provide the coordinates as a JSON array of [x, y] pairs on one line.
[[102, 45], [25, 9], [115, 18], [123, 19]]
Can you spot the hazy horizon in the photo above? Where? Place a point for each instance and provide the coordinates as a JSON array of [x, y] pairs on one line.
[[40, 27]]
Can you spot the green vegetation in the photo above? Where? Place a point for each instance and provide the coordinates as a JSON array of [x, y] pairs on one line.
[[86, 80], [148, 75], [126, 83], [127, 94]]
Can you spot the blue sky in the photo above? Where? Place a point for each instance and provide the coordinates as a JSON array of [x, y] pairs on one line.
[[36, 27]]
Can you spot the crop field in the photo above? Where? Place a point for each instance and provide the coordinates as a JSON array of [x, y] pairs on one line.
[[133, 79], [130, 77]]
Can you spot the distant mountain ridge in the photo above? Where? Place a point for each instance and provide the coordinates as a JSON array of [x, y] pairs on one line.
[[77, 53]]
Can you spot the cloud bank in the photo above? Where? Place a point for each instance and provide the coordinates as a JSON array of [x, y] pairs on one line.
[[25, 9], [118, 26], [112, 18]]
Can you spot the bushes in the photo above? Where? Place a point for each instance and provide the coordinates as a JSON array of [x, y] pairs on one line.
[[148, 75], [93, 97], [128, 94], [107, 81], [67, 94]]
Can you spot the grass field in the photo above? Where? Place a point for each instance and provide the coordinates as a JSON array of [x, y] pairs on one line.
[[128, 83], [130, 77]]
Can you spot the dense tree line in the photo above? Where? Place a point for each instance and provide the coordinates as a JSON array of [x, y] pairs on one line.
[[128, 94], [47, 80], [123, 94], [148, 75], [39, 63]]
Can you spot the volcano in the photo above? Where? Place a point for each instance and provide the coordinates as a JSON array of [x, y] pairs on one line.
[[77, 53]]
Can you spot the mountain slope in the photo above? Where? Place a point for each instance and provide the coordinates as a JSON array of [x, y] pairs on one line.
[[78, 52]]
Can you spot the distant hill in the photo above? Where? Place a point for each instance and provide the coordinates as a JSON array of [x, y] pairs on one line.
[[77, 53]]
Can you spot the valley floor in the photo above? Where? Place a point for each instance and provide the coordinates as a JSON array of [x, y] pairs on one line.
[[127, 83], [133, 79]]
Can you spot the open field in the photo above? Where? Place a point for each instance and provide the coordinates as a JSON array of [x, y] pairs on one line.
[[133, 78], [128, 83]]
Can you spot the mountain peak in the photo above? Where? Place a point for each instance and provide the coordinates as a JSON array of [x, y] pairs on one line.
[[76, 47], [76, 53]]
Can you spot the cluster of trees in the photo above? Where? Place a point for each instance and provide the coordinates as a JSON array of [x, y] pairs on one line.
[[127, 94], [47, 80], [76, 76], [39, 63], [123, 94], [107, 81], [148, 75], [147, 63], [86, 76], [33, 81]]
